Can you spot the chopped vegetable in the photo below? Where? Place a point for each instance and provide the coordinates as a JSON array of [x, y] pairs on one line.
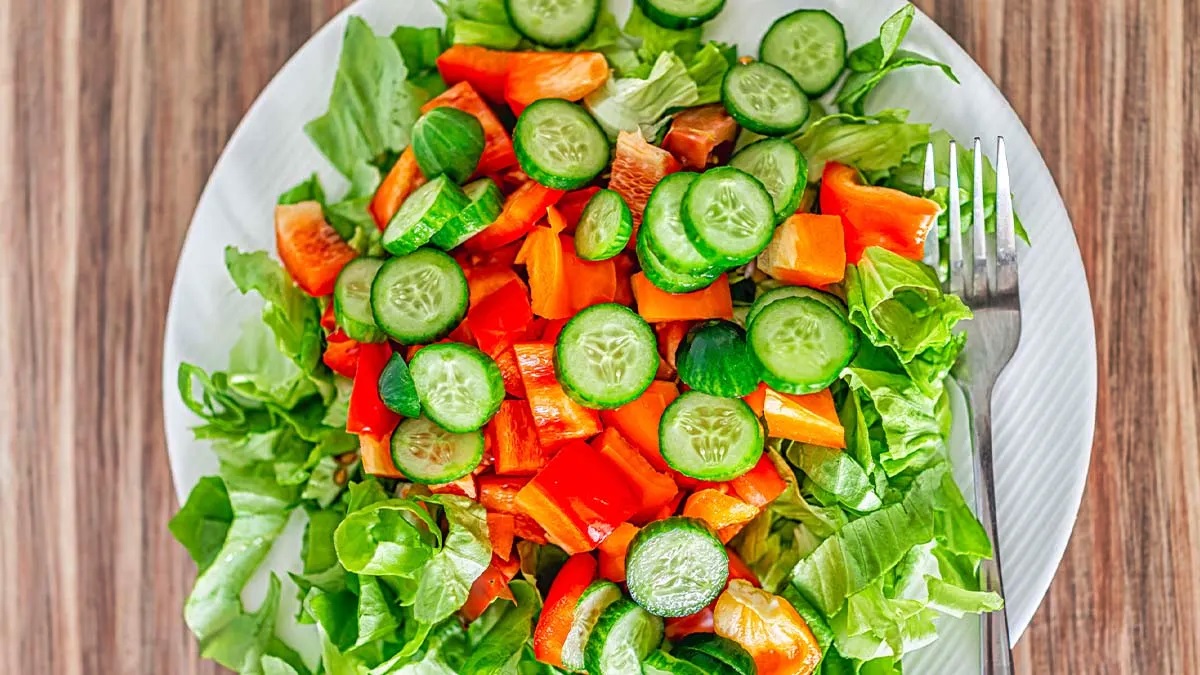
[[404, 177], [559, 419], [558, 612], [637, 167], [767, 627], [876, 216], [341, 354], [543, 257], [484, 69], [367, 413], [697, 133], [638, 421], [311, 250], [522, 210], [807, 250], [726, 515], [533, 76], [656, 305], [376, 455], [760, 485], [498, 151], [517, 448], [654, 489], [811, 418], [612, 552]]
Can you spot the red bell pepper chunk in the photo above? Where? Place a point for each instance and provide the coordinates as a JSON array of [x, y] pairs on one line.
[[572, 204], [700, 622], [484, 280], [367, 413], [518, 451], [521, 212], [637, 167], [559, 419], [311, 250], [463, 487], [638, 421], [489, 586], [552, 329], [341, 354], [738, 569], [329, 318], [501, 531], [624, 267], [501, 318], [510, 372], [670, 334], [498, 150], [696, 133], [761, 485], [876, 216], [486, 69], [558, 612], [653, 489], [499, 493], [404, 177]]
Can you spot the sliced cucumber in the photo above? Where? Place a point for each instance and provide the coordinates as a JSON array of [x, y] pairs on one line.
[[595, 599], [423, 214], [728, 215], [352, 300], [448, 141], [623, 636], [828, 299], [764, 99], [553, 23], [660, 276], [606, 356], [681, 14], [604, 227], [459, 386], [486, 203], [396, 388], [426, 453], [559, 144], [676, 567], [802, 344], [419, 297], [714, 358], [780, 166], [665, 233], [810, 45], [709, 437], [662, 663], [719, 655]]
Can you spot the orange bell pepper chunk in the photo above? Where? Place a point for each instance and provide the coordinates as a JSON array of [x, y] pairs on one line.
[[489, 586], [760, 485], [656, 305], [806, 250], [876, 216], [376, 455], [498, 150], [558, 612], [501, 531], [485, 69], [756, 399], [637, 167], [311, 250], [767, 627], [559, 418], [522, 209], [613, 551], [590, 283], [655, 490], [566, 75], [638, 420], [484, 280], [624, 266], [726, 515], [463, 487], [517, 451], [404, 177], [562, 527], [811, 418], [697, 132], [549, 285]]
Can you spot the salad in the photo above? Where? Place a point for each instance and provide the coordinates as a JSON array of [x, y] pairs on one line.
[[615, 356]]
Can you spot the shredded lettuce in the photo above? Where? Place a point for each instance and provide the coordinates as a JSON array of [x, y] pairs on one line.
[[480, 22], [707, 69], [630, 104], [870, 143]]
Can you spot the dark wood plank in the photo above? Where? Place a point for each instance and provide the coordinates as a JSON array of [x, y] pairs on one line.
[[112, 113]]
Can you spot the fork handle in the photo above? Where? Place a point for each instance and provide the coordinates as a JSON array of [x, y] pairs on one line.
[[996, 650]]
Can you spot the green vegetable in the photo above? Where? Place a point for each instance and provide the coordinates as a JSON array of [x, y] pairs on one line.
[[396, 388], [498, 637], [443, 584], [875, 54], [385, 539], [203, 522], [853, 94], [480, 22], [632, 104], [875, 143], [447, 141], [837, 473], [714, 358], [420, 47]]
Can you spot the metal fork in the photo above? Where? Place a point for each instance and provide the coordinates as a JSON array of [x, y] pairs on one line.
[[992, 337]]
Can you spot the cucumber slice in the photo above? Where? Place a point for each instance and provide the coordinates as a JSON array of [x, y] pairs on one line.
[[423, 214], [709, 437], [486, 203], [352, 300], [396, 388], [714, 358], [728, 215], [676, 567], [681, 14], [419, 297], [595, 599], [664, 278], [662, 663], [553, 23], [448, 141], [828, 299], [604, 227], [665, 233], [764, 99], [623, 636], [559, 144], [720, 655], [810, 45], [428, 454], [780, 166], [802, 344], [459, 386], [606, 356]]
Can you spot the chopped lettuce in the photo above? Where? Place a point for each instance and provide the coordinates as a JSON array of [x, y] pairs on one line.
[[480, 22], [443, 583], [655, 39], [837, 473], [630, 104], [420, 47], [875, 143], [498, 637], [875, 54], [203, 522], [707, 69]]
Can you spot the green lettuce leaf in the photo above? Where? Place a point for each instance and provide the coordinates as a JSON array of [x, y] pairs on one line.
[[875, 54], [852, 96], [203, 522], [655, 40], [420, 47], [291, 314], [480, 22], [632, 104], [384, 538], [707, 69], [310, 190], [907, 418], [837, 473], [957, 601], [443, 583], [870, 143], [260, 370], [498, 637], [608, 39], [372, 107]]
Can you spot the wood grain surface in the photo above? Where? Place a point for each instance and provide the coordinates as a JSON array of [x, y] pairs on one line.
[[112, 113]]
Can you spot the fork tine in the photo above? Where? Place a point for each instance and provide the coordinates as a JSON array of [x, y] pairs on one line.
[[979, 267], [1006, 237], [932, 248], [957, 278]]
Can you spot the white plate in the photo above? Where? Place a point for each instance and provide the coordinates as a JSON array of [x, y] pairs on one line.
[[1045, 404]]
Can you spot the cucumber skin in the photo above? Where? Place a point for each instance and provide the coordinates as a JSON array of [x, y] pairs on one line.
[[675, 22], [494, 381], [396, 388], [441, 331], [593, 653], [446, 204], [792, 203], [448, 141], [474, 218], [543, 176], [778, 383], [360, 331], [732, 657], [828, 299], [670, 664], [599, 586], [749, 121], [623, 232], [814, 92], [572, 39], [665, 279], [715, 358], [661, 528]]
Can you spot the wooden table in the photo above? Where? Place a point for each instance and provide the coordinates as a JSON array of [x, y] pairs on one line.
[[112, 113]]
